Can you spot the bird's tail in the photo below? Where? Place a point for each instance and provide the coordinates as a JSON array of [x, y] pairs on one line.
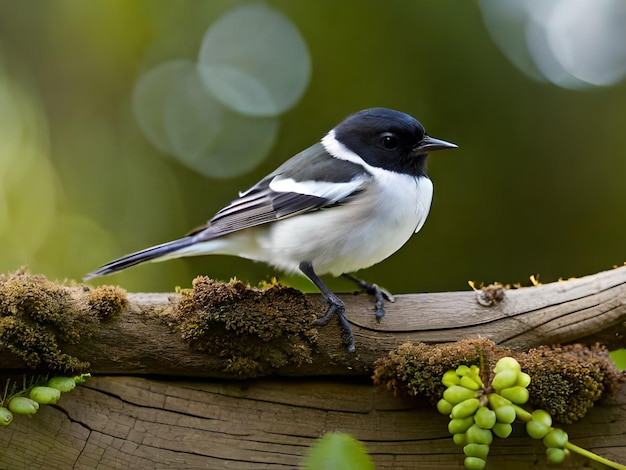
[[159, 252]]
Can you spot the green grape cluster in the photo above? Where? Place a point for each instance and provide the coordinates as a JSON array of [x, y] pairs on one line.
[[27, 400], [475, 415], [477, 412]]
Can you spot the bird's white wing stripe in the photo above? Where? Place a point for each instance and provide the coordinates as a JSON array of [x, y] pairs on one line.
[[331, 191]]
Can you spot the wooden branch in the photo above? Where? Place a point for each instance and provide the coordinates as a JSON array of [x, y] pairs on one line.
[[586, 309], [130, 422]]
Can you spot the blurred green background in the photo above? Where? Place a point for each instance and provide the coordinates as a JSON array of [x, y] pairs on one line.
[[537, 185]]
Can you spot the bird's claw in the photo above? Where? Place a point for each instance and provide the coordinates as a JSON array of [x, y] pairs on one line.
[[379, 294], [348, 335]]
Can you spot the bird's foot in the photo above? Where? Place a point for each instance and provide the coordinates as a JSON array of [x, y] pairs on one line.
[[337, 307], [379, 294]]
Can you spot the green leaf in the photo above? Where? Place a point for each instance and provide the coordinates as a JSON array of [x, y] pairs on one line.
[[338, 451]]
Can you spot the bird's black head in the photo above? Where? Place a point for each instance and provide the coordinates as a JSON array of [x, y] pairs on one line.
[[388, 139]]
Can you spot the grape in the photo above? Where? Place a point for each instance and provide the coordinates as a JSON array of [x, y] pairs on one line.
[[496, 401], [476, 450], [556, 438], [554, 455], [460, 439], [460, 425], [507, 363], [477, 435], [62, 384], [474, 463], [23, 406], [5, 416], [523, 379], [485, 418], [444, 407], [502, 430], [536, 429], [542, 416], [450, 378], [505, 414], [465, 408], [44, 395], [470, 382], [456, 394], [504, 379], [516, 394]]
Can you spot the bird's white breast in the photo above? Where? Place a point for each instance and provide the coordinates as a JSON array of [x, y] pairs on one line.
[[354, 235]]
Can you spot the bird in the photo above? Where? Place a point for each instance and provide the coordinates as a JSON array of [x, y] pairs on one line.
[[343, 204]]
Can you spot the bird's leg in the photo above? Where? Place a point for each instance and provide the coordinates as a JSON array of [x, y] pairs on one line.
[[335, 305], [379, 293]]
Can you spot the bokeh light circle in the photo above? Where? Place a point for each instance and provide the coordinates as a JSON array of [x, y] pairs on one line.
[[254, 61], [210, 138], [574, 44]]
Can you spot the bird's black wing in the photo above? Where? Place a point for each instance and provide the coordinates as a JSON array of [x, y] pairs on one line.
[[310, 181]]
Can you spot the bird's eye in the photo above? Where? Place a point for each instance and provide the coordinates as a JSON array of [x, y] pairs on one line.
[[389, 141]]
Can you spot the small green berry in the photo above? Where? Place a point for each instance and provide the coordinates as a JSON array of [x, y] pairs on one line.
[[502, 430], [470, 382], [450, 378], [505, 414], [536, 429], [556, 438], [504, 379], [444, 407], [5, 416], [460, 425], [476, 450], [523, 379], [456, 394], [518, 395], [474, 463], [507, 363], [554, 455], [476, 434], [460, 439], [23, 406], [62, 384], [542, 416], [465, 408], [496, 401], [45, 395], [485, 418]]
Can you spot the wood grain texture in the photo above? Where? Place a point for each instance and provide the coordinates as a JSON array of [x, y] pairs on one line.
[[135, 423]]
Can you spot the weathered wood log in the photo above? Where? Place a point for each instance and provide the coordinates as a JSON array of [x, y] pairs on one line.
[[132, 422], [135, 423], [587, 309]]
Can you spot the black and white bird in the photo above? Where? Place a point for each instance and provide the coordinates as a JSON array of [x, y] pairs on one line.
[[343, 204]]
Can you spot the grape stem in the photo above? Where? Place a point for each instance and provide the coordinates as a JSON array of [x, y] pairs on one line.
[[592, 456]]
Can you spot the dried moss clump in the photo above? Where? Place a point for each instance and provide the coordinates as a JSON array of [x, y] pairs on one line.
[[416, 369], [36, 315], [565, 380], [38, 318], [107, 301], [258, 330]]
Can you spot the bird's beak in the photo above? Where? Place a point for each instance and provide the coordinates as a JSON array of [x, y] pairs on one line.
[[430, 144]]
